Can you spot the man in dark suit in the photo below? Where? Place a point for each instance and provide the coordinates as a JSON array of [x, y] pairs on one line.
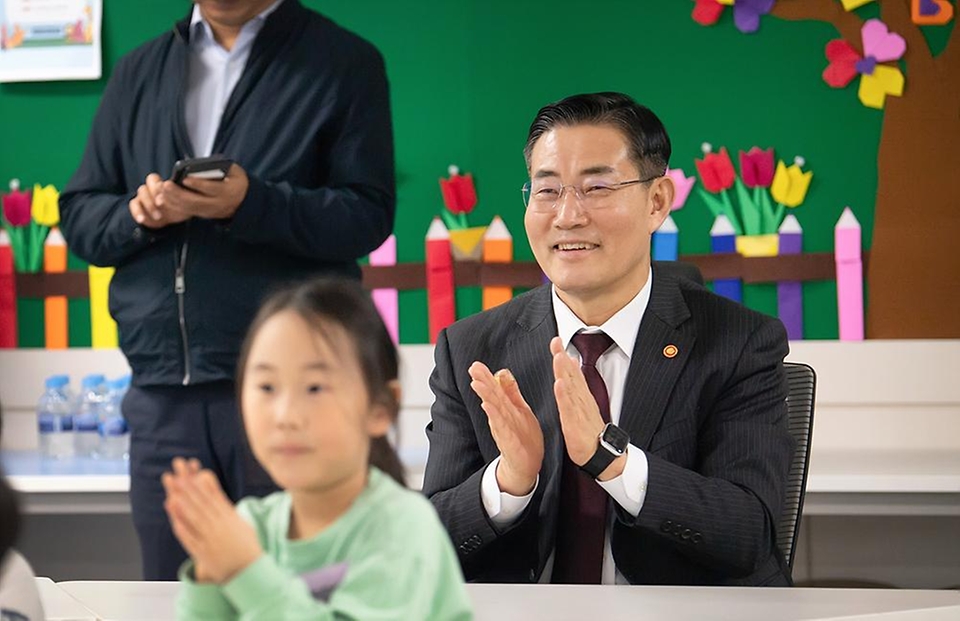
[[636, 429]]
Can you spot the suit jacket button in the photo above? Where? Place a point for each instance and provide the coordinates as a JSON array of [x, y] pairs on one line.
[[666, 526], [686, 534], [697, 538]]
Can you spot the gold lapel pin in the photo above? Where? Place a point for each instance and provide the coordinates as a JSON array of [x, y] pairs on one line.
[[670, 351]]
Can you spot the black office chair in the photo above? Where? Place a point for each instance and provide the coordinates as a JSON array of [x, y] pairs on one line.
[[680, 270], [802, 383]]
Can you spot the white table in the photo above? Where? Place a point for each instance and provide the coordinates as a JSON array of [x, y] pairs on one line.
[[58, 605], [73, 485], [143, 601]]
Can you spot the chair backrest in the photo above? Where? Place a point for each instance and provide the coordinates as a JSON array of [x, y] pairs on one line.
[[680, 270], [802, 383]]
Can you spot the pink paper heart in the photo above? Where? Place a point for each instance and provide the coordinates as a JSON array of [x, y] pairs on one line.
[[880, 43]]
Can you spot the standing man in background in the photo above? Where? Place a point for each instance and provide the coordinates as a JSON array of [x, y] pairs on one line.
[[301, 106]]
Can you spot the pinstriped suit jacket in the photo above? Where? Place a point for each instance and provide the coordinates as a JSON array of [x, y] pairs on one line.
[[712, 422]]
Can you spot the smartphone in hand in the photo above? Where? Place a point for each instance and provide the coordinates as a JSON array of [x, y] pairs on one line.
[[212, 167]]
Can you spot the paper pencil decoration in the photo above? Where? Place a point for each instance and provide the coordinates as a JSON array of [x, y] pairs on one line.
[[441, 304], [103, 330], [931, 12], [497, 248], [876, 81], [849, 276], [790, 292], [8, 294], [55, 306], [665, 241], [387, 300], [723, 239]]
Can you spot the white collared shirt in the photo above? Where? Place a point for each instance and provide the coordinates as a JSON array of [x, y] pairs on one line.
[[628, 489], [212, 76]]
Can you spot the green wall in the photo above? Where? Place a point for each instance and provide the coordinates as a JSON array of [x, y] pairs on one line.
[[467, 76]]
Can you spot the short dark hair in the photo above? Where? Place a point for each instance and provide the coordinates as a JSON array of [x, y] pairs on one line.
[[646, 135], [328, 302]]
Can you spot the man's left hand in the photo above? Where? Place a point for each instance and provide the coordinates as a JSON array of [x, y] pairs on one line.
[[207, 198]]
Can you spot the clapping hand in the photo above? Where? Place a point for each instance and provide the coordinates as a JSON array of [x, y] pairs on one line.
[[220, 542]]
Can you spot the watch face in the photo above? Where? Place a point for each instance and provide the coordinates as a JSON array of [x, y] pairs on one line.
[[615, 438]]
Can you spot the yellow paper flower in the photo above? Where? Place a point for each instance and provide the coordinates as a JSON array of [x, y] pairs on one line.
[[790, 185], [45, 207]]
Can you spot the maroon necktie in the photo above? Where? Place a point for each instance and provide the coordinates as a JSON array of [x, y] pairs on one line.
[[582, 521]]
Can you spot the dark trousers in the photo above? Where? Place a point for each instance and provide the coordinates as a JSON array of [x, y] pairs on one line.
[[199, 421]]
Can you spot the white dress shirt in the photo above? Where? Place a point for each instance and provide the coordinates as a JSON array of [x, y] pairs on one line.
[[628, 489], [214, 72]]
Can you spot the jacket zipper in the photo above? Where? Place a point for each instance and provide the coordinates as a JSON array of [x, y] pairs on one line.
[[180, 287]]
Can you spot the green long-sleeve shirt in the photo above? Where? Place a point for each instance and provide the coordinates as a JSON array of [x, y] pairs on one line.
[[387, 558]]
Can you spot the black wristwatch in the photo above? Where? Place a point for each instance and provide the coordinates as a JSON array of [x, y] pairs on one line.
[[613, 443]]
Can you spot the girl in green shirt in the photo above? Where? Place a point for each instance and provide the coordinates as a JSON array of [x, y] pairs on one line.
[[345, 540]]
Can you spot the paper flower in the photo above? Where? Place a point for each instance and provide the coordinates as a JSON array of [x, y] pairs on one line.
[[716, 170], [45, 207], [459, 197], [746, 13], [876, 81], [790, 185], [756, 167], [850, 5], [16, 205], [683, 184]]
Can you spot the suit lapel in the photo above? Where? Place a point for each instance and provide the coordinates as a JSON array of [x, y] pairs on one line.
[[653, 373]]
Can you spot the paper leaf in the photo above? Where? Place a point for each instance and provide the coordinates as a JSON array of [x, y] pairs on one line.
[[850, 5]]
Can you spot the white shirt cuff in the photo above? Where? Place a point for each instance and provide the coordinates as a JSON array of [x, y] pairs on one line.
[[630, 488], [504, 508]]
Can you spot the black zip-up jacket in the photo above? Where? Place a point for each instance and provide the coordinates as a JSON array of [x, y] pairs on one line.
[[309, 121]]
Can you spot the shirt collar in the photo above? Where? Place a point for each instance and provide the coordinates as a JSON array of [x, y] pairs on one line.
[[622, 327], [198, 24]]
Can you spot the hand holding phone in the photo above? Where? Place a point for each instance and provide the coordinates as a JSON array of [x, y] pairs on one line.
[[214, 167]]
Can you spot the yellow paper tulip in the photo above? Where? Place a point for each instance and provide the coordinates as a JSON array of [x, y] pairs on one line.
[[790, 185], [45, 208]]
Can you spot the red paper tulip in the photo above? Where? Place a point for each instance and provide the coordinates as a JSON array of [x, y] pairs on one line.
[[459, 194], [757, 167], [16, 206], [716, 171]]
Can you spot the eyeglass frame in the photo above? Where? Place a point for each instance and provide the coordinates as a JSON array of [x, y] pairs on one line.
[[527, 189]]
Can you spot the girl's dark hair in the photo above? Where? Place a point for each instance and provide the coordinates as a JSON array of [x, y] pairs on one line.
[[345, 304], [9, 511], [646, 135]]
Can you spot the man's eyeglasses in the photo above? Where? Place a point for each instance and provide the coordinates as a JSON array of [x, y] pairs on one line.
[[543, 195]]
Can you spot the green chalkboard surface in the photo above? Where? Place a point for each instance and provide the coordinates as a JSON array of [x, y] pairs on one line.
[[468, 76]]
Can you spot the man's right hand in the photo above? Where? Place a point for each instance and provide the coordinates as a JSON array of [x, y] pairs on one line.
[[147, 206], [514, 426]]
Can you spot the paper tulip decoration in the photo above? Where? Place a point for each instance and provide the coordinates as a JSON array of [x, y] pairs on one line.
[[28, 234], [876, 80], [459, 197]]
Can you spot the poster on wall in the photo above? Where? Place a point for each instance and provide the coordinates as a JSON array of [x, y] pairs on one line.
[[44, 40]]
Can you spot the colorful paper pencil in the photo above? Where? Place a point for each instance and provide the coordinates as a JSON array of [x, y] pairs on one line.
[[441, 303], [387, 300], [666, 241], [103, 330], [55, 306], [723, 239], [847, 254], [497, 248], [790, 292], [8, 294]]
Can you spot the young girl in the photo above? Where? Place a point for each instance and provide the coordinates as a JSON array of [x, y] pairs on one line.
[[318, 390]]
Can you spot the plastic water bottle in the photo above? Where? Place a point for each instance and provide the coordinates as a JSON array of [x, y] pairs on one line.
[[86, 421], [55, 418], [114, 433]]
